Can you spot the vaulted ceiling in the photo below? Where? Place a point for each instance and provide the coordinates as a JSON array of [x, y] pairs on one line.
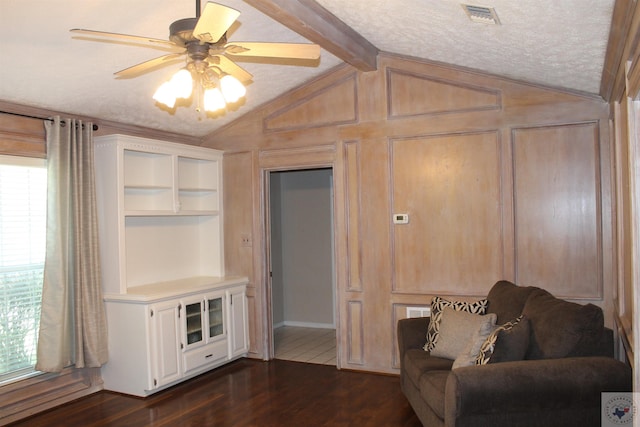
[[555, 43]]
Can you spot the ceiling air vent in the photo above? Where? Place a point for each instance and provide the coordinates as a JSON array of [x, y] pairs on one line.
[[486, 15]]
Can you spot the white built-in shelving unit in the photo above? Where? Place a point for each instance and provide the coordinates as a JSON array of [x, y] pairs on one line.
[[161, 244]]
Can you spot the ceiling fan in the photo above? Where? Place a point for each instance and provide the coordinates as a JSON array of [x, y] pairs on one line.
[[210, 58]]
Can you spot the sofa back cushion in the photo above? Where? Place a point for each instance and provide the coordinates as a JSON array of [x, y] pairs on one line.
[[507, 300], [561, 328]]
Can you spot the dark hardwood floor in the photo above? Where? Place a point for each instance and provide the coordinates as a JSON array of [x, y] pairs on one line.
[[249, 393]]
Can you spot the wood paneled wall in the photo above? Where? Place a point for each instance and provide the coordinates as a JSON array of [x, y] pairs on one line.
[[623, 69], [501, 180]]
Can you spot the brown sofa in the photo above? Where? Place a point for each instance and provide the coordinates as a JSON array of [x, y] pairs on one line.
[[556, 379]]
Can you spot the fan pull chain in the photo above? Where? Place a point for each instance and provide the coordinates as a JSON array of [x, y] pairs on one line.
[[199, 108]]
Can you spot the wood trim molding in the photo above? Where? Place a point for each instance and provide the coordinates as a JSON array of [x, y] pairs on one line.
[[624, 331], [297, 158], [311, 20], [106, 127], [41, 392], [22, 136]]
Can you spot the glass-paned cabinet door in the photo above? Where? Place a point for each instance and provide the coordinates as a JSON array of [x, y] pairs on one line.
[[194, 323], [215, 313]]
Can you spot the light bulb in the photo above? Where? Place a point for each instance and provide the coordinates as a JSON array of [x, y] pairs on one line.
[[231, 88], [182, 84], [164, 95], [213, 100]]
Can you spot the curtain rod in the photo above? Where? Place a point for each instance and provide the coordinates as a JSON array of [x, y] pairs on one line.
[[94, 127]]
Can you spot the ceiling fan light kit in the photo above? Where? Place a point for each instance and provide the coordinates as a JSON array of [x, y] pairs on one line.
[[210, 73], [215, 88]]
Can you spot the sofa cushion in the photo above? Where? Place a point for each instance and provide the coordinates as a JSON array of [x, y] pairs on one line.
[[507, 300], [457, 328], [508, 342], [561, 328], [416, 362], [438, 304], [432, 388]]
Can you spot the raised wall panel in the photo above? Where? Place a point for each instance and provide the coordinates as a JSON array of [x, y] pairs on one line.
[[557, 209], [333, 105], [238, 170], [412, 94], [238, 218], [450, 187], [355, 337], [352, 185]]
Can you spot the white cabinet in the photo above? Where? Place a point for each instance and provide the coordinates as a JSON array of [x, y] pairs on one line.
[[205, 330], [171, 311], [239, 335], [164, 344], [158, 337]]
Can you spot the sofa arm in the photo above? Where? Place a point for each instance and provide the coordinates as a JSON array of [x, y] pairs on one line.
[[412, 333], [533, 392]]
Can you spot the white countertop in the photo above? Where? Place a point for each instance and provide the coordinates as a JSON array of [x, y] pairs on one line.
[[175, 288]]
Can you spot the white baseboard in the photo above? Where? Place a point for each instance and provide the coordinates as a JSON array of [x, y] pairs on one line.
[[278, 325], [308, 324]]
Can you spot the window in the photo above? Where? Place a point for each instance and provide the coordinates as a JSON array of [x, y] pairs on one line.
[[23, 205]]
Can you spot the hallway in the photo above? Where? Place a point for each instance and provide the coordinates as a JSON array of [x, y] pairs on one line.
[[309, 345]]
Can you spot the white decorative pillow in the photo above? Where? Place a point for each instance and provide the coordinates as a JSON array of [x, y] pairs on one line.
[[438, 304], [457, 328], [469, 355]]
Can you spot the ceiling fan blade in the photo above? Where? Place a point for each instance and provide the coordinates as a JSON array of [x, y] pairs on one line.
[[142, 67], [229, 67], [125, 37], [214, 22], [274, 50]]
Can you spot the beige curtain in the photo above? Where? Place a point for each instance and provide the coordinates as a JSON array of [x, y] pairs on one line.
[[72, 323]]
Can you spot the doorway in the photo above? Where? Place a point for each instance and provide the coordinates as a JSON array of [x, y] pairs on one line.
[[302, 265]]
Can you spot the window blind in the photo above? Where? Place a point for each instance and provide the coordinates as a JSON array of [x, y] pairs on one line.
[[23, 204]]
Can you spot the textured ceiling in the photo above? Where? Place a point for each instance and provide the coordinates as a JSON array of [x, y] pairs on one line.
[[556, 43]]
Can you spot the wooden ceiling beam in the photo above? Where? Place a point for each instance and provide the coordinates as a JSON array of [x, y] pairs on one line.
[[613, 73], [318, 25]]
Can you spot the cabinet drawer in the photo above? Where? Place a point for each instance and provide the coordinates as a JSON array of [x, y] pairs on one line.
[[208, 354]]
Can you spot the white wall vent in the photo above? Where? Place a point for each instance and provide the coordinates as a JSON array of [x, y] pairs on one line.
[[418, 312], [485, 15]]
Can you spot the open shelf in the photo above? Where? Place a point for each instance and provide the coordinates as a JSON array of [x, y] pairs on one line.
[[161, 248], [198, 200], [161, 211]]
